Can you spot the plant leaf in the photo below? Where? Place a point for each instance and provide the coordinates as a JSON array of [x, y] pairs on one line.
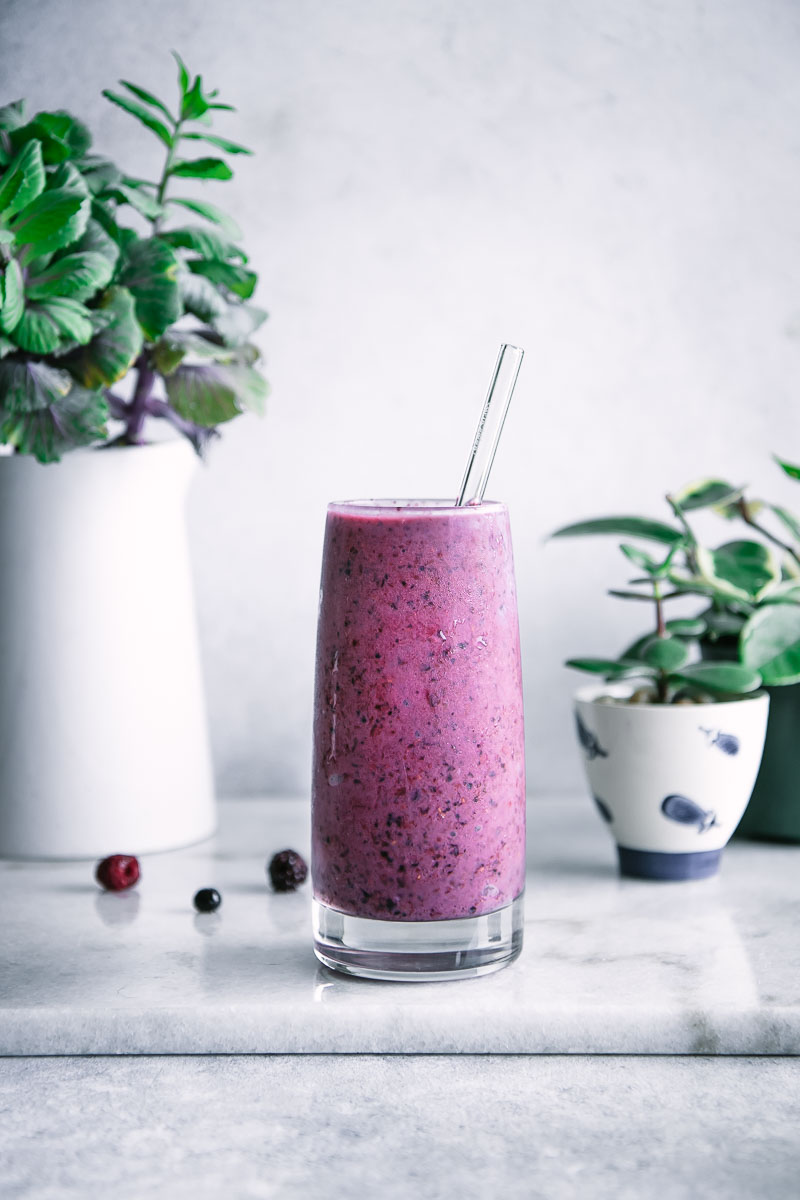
[[236, 279], [78, 275], [237, 322], [664, 653], [23, 181], [44, 412], [211, 213], [37, 332], [151, 273], [115, 347], [145, 204], [52, 220], [639, 557], [616, 668], [654, 531], [148, 98], [770, 643], [183, 74], [142, 114], [211, 393], [788, 468], [100, 173], [95, 240], [61, 135], [220, 142], [206, 242], [201, 168], [787, 519], [706, 493], [13, 297], [693, 627], [200, 297], [12, 115], [747, 567], [720, 677]]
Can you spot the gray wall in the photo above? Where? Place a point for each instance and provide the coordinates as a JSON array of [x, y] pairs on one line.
[[612, 185]]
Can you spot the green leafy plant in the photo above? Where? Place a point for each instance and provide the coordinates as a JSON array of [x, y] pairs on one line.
[[665, 659], [87, 299]]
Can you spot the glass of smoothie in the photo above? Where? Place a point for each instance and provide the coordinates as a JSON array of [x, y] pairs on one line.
[[418, 804]]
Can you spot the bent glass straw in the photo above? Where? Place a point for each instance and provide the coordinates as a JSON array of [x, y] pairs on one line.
[[490, 426]]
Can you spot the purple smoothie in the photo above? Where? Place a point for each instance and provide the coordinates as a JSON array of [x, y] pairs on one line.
[[419, 772]]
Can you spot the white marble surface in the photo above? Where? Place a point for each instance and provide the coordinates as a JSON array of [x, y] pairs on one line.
[[546, 1128], [609, 965]]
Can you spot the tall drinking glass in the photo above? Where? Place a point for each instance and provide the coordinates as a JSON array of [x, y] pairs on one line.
[[418, 808]]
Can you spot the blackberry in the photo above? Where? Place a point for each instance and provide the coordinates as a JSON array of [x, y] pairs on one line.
[[287, 870]]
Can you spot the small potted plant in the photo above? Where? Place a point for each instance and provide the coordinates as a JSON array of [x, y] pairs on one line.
[[762, 630], [124, 306], [671, 744]]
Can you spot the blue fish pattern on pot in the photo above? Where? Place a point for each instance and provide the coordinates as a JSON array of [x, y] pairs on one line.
[[603, 809], [728, 743], [687, 812], [588, 740]]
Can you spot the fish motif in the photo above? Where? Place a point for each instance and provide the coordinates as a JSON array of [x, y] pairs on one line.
[[728, 743], [603, 809], [686, 812], [588, 740]]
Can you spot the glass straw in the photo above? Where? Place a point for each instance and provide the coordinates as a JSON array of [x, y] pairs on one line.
[[490, 426]]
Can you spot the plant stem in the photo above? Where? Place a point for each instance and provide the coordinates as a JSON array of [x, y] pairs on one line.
[[744, 512], [662, 687], [139, 405], [161, 189], [661, 628]]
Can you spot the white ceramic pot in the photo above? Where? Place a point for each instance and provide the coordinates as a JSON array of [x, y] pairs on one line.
[[670, 780], [103, 737]]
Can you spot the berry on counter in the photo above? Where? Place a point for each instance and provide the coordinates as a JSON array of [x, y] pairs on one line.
[[117, 872], [207, 900], [287, 870]]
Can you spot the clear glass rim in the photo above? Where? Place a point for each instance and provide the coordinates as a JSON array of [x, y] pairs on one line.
[[406, 506]]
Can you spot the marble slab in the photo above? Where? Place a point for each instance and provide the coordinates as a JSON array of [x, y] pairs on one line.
[[609, 965]]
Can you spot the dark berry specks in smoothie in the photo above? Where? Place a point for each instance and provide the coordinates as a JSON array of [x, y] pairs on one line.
[[419, 782]]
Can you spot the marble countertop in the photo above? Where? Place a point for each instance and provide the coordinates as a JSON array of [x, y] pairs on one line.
[[609, 966]]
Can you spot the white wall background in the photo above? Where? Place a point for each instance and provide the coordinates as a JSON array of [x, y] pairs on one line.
[[612, 184]]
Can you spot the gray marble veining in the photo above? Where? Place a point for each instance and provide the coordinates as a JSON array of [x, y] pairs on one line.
[[530, 1128], [609, 965]]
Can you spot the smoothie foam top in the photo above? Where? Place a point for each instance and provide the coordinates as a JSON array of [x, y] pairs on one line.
[[410, 508]]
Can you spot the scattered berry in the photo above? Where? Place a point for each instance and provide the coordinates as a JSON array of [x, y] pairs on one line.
[[117, 872], [207, 900], [287, 870]]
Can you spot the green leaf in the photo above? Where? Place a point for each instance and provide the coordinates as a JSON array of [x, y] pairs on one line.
[[616, 668], [748, 568], [53, 220], [179, 344], [145, 204], [6, 346], [195, 104], [114, 349], [142, 114], [205, 242], [201, 168], [236, 279], [13, 297], [200, 297], [151, 273], [61, 136], [770, 643], [664, 653], [237, 322], [720, 677], [787, 519], [654, 531], [37, 332], [95, 240], [23, 181], [100, 173], [211, 213], [692, 627], [788, 468], [211, 393], [12, 115], [640, 558], [44, 412], [706, 493], [78, 275], [722, 624], [220, 142], [72, 318], [148, 98], [183, 74]]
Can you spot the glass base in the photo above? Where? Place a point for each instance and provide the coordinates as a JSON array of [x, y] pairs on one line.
[[418, 951]]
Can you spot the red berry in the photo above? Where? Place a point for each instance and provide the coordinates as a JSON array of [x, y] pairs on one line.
[[117, 872]]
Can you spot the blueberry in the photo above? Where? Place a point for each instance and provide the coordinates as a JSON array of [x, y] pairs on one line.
[[207, 900], [287, 870]]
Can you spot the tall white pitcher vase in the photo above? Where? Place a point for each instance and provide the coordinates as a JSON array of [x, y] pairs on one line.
[[103, 734]]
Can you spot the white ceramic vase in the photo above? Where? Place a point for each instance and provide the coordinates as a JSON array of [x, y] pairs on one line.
[[670, 780], [103, 736]]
